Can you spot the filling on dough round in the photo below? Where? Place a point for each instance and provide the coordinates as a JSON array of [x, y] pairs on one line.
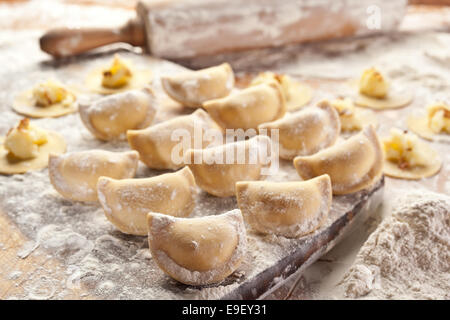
[[119, 76], [27, 147], [435, 125], [353, 118], [47, 99], [407, 157], [296, 94]]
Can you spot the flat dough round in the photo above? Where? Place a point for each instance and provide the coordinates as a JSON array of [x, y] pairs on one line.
[[10, 165], [300, 95], [419, 125], [396, 98], [139, 79], [391, 169], [24, 104]]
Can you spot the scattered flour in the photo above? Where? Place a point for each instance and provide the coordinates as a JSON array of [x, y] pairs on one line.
[[408, 255]]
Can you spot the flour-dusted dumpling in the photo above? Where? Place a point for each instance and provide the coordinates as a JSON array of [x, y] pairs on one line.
[[192, 88], [353, 165], [307, 131], [217, 169], [110, 117], [156, 144], [74, 175], [290, 209], [248, 108], [198, 251], [127, 202]]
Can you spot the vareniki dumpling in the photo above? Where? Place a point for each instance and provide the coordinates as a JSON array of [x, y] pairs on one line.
[[127, 202], [306, 131], [156, 143], [74, 175], [353, 165], [248, 108], [217, 176], [197, 251], [110, 117], [289, 209], [192, 88]]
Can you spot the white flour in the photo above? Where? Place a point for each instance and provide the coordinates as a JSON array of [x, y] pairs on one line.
[[408, 255]]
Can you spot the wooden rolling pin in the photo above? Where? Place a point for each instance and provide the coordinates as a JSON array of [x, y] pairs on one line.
[[175, 29]]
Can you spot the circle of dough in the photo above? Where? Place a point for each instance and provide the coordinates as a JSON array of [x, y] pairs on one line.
[[395, 99], [419, 125], [24, 104], [138, 80], [54, 145], [391, 169]]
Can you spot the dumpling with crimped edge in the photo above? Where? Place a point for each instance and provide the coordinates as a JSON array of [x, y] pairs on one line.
[[126, 202], [74, 175], [217, 176], [198, 251], [192, 88], [110, 117], [290, 209], [155, 143], [306, 131], [249, 107], [353, 165]]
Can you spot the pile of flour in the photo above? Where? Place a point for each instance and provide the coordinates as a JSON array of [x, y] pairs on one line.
[[408, 255]]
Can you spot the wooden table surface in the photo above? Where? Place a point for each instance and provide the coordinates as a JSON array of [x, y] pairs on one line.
[[21, 22]]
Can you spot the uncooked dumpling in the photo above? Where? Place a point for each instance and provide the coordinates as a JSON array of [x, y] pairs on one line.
[[290, 209], [26, 147], [296, 94], [217, 176], [127, 202], [74, 175], [353, 165], [306, 131], [192, 88], [156, 143], [407, 157], [110, 117], [197, 251], [248, 108]]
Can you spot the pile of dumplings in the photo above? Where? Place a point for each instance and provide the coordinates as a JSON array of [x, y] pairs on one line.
[[205, 250]]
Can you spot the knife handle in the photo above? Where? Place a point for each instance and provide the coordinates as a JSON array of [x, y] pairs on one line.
[[65, 42]]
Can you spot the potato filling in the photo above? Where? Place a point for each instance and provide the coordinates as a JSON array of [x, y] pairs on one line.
[[439, 117], [117, 75], [403, 148], [346, 110], [23, 141], [51, 92], [373, 84]]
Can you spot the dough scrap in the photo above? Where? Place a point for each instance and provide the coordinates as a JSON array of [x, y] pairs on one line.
[[127, 202], [198, 251], [74, 175], [155, 144], [219, 179], [353, 165], [248, 108], [110, 117], [290, 209], [193, 88], [306, 131]]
